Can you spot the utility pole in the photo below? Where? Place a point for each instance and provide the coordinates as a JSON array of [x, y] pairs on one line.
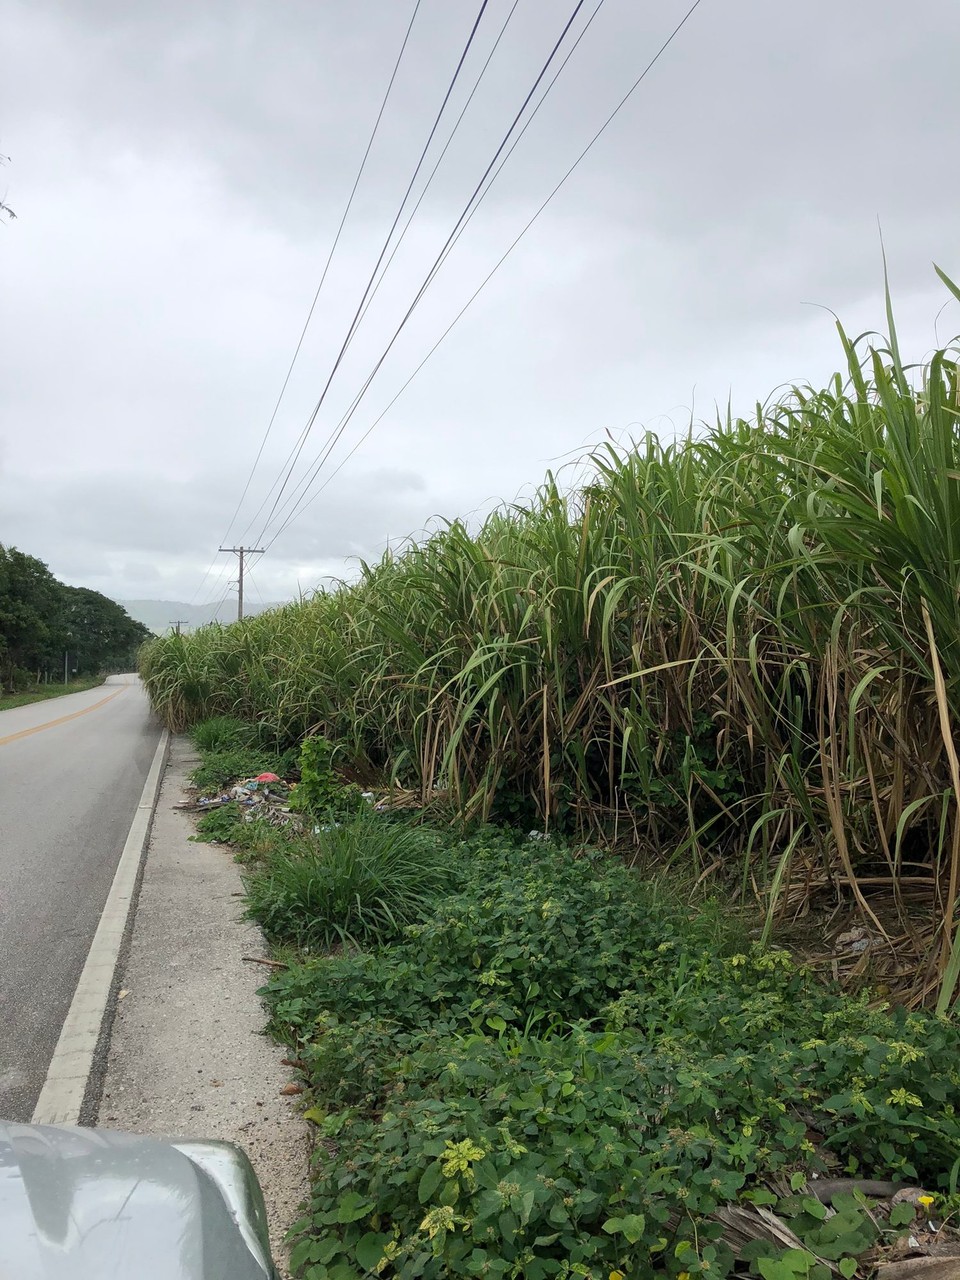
[[241, 552], [178, 623]]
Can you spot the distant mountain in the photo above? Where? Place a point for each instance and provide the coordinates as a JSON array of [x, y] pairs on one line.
[[162, 615]]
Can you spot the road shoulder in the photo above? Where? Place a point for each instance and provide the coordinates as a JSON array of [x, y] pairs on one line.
[[187, 1056]]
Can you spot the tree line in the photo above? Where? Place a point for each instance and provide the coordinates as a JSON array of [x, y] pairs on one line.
[[47, 627]]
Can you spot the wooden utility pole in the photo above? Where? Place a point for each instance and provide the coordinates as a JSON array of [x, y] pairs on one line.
[[178, 623], [241, 552]]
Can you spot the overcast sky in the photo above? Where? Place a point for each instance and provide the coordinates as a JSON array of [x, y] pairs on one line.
[[179, 170]]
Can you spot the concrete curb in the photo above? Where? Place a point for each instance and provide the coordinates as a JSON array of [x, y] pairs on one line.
[[62, 1096]]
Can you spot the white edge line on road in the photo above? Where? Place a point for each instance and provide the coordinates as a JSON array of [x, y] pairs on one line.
[[61, 1097]]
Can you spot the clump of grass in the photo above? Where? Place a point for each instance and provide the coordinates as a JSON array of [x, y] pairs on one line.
[[354, 883], [224, 733]]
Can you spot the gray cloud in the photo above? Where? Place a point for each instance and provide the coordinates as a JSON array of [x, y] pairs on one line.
[[179, 171], [101, 527]]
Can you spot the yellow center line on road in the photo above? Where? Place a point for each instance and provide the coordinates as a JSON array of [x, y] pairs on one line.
[[52, 724]]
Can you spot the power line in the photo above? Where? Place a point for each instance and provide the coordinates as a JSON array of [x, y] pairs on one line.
[[304, 435], [323, 277], [333, 438], [476, 197], [439, 161], [256, 586], [333, 248], [222, 600], [216, 584], [336, 434], [465, 215], [609, 120]]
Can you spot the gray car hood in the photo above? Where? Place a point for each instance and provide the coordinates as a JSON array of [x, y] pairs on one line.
[[85, 1204]]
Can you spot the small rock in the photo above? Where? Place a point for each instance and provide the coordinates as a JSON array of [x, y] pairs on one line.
[[909, 1194], [851, 936]]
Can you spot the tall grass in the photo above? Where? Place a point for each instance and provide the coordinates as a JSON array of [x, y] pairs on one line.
[[738, 651], [359, 883]]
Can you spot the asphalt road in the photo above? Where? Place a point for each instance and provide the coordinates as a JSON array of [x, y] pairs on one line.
[[71, 773]]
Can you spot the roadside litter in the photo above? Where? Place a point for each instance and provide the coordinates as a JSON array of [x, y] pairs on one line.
[[267, 797], [263, 797]]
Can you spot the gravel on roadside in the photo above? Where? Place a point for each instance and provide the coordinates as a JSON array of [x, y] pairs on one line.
[[187, 1057]]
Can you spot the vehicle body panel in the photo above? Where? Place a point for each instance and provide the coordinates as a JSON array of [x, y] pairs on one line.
[[94, 1204]]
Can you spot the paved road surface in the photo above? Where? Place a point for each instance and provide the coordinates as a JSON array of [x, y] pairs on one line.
[[69, 788]]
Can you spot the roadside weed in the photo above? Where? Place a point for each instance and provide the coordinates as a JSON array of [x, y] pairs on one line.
[[356, 882]]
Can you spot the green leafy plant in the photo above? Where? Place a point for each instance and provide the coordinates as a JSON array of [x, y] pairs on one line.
[[562, 1071], [220, 826], [321, 791]]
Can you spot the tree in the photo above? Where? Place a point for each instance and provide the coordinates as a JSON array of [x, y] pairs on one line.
[[103, 635], [30, 607], [41, 619]]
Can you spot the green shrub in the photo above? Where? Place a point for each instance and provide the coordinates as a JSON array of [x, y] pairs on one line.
[[562, 1071], [602, 1151], [249, 835], [321, 791], [353, 883], [534, 936]]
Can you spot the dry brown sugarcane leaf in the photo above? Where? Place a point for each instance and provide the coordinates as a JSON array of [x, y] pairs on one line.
[[743, 1223]]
